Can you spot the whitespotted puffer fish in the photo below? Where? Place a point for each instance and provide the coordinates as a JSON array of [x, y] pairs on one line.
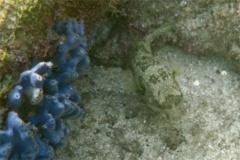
[[153, 79]]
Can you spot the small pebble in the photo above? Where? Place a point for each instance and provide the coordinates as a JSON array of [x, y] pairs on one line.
[[196, 83]]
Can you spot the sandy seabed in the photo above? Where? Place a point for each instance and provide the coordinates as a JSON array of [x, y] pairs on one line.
[[118, 125]]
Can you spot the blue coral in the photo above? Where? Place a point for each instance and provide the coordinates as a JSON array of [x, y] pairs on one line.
[[18, 142], [47, 89], [30, 85]]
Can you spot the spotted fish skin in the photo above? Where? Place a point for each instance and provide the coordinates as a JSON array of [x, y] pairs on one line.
[[153, 79]]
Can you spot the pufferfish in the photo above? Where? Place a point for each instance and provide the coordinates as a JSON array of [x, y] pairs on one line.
[[153, 79]]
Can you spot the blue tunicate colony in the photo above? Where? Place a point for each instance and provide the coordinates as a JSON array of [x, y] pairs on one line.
[[47, 88]]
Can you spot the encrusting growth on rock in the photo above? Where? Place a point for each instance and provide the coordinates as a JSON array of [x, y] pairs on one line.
[[47, 89]]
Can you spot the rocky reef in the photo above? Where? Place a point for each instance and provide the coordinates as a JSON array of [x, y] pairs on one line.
[[121, 125]]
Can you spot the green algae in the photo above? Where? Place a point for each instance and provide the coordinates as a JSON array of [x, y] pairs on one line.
[[25, 27]]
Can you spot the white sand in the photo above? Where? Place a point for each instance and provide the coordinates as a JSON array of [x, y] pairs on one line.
[[118, 125]]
